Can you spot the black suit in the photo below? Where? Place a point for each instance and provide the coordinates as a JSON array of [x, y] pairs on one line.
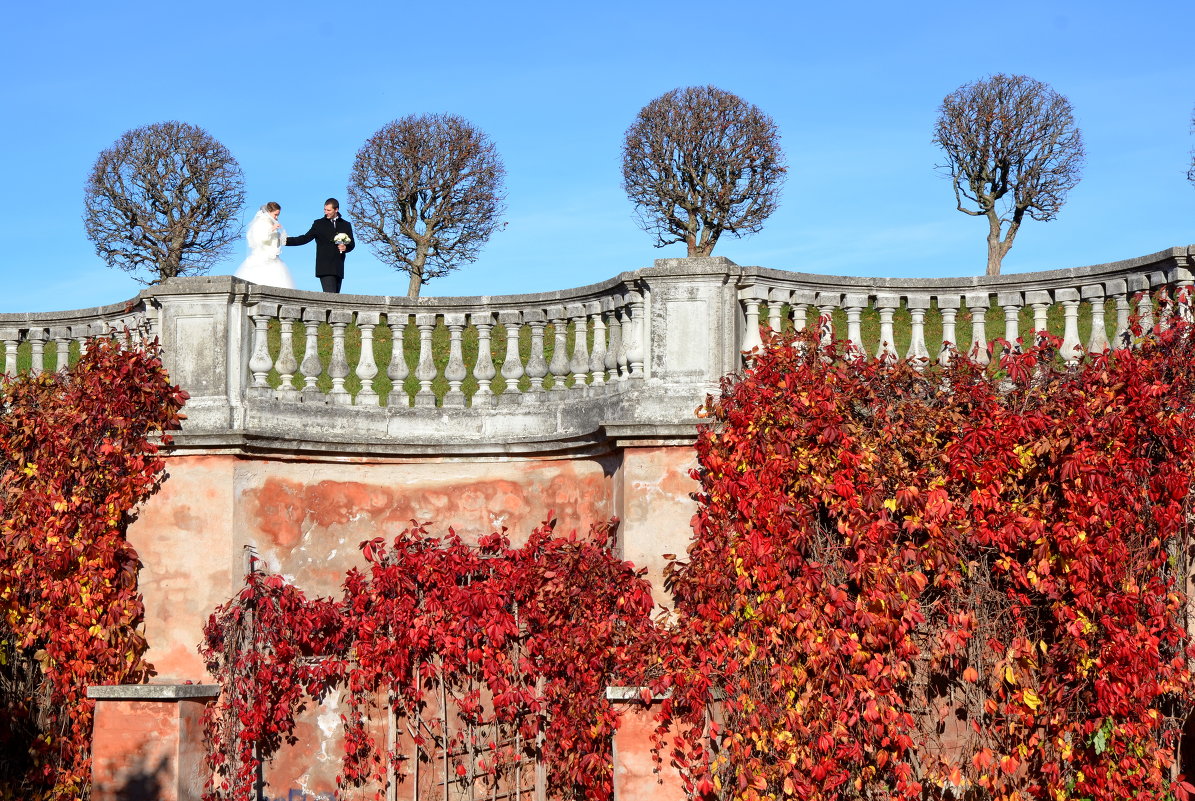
[[329, 261]]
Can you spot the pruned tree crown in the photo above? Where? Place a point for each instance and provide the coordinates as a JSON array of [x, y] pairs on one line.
[[164, 200], [427, 193], [699, 162], [1012, 148]]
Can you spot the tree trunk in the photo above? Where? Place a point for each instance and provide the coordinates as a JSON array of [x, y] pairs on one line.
[[996, 248], [416, 270]]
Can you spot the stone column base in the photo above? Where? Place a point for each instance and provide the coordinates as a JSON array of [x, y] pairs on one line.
[[147, 743]]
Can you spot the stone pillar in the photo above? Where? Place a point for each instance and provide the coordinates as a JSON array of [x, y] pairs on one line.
[[696, 326], [652, 489], [206, 340], [636, 777], [147, 743]]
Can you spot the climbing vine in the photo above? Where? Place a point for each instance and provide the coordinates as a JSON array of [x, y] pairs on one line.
[[943, 584], [487, 659], [903, 583], [79, 451]]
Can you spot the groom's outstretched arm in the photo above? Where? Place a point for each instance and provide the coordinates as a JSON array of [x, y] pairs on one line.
[[352, 239], [302, 240]]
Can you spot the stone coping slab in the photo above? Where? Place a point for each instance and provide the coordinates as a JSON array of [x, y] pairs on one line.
[[153, 692]]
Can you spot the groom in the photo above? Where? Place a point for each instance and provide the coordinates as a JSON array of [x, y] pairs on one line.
[[329, 256]]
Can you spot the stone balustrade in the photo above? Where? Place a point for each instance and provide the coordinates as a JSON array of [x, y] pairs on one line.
[[1089, 308], [37, 342], [537, 349], [632, 356]]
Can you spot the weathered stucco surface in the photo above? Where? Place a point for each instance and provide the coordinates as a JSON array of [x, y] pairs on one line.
[[184, 536], [656, 508], [637, 776], [305, 519]]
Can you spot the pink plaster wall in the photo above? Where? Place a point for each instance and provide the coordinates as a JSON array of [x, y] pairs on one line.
[[306, 518], [655, 504], [185, 538]]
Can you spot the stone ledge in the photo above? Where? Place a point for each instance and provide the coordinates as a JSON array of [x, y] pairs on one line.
[[630, 434], [153, 692], [632, 695]]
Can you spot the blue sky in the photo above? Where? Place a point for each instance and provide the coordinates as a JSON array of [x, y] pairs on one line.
[[293, 89]]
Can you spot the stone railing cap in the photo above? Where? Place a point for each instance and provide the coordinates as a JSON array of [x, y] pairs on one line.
[[152, 692]]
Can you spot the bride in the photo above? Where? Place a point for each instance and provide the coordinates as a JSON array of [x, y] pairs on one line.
[[266, 237]]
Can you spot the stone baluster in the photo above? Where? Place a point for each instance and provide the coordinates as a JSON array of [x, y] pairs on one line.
[[799, 303], [1094, 294], [1040, 301], [153, 321], [949, 306], [82, 334], [853, 304], [338, 365], [977, 304], [311, 367], [751, 298], [11, 337], [60, 335], [559, 363], [887, 306], [512, 363], [455, 372], [918, 352], [483, 368], [826, 303], [615, 350], [287, 364], [1181, 278], [1117, 289], [1139, 288], [37, 348], [597, 359], [367, 365], [537, 366], [1166, 307], [397, 371], [1011, 303], [1072, 346], [579, 366], [776, 300], [636, 342], [260, 361], [425, 370], [1165, 310]]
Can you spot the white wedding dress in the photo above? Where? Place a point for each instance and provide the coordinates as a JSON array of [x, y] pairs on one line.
[[265, 243]]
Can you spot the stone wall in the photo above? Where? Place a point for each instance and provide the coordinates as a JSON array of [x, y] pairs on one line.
[[318, 421]]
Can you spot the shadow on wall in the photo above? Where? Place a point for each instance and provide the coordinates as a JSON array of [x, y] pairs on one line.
[[141, 786]]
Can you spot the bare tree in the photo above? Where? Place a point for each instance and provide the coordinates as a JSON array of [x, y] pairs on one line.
[[699, 162], [426, 193], [1012, 149], [165, 199]]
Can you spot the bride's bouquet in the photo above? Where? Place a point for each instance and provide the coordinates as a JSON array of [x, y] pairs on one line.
[[341, 239]]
